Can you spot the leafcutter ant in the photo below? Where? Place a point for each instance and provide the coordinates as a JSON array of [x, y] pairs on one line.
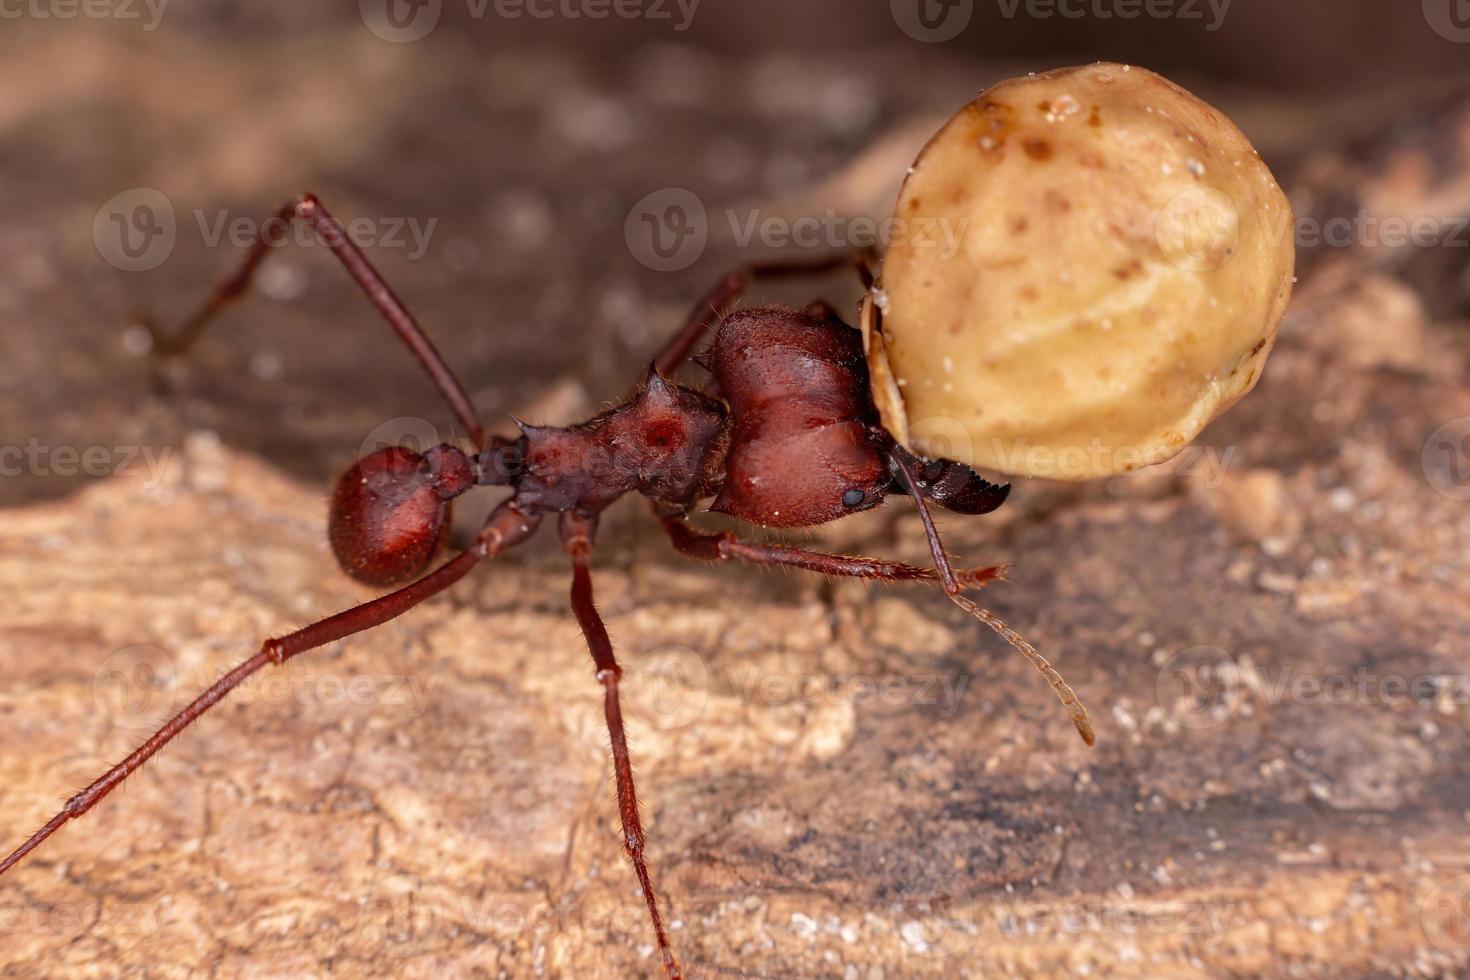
[[783, 434]]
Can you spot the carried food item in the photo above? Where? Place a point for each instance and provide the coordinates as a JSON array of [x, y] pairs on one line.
[[1089, 266]]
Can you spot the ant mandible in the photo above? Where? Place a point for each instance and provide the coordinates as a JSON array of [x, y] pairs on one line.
[[784, 435]]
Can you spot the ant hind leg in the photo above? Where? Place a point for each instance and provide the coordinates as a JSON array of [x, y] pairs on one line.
[[725, 546], [506, 527], [377, 290]]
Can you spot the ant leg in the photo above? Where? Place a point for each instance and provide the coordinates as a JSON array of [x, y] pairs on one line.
[[507, 526], [952, 587], [308, 208], [725, 546], [576, 536], [709, 309]]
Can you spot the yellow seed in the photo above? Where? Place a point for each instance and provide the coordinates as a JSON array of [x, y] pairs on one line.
[[1104, 282]]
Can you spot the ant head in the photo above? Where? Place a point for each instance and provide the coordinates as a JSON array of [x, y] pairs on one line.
[[796, 474], [390, 512], [804, 446], [951, 485]]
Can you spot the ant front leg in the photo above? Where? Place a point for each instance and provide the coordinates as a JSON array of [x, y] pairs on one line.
[[309, 209], [576, 535], [715, 303], [725, 546]]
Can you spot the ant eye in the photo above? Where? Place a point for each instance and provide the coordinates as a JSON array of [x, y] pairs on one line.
[[852, 498]]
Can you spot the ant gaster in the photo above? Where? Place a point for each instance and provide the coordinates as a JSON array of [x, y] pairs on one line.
[[784, 434]]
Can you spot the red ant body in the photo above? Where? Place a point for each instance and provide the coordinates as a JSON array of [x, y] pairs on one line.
[[786, 435]]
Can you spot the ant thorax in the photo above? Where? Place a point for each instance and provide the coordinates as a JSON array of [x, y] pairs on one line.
[[795, 443], [666, 442]]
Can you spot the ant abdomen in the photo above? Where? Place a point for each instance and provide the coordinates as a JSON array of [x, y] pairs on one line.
[[390, 511]]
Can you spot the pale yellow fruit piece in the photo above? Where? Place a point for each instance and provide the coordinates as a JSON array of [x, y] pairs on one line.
[[1086, 267]]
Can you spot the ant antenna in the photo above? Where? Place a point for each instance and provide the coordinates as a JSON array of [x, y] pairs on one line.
[[952, 587]]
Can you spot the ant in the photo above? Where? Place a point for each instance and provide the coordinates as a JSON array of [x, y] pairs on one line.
[[785, 434]]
